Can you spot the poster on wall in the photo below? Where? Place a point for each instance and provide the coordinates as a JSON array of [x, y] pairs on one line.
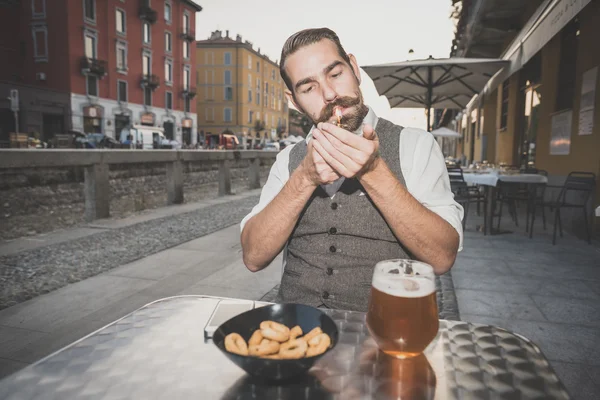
[[586, 105], [560, 141]]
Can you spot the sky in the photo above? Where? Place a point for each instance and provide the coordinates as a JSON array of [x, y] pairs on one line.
[[375, 31]]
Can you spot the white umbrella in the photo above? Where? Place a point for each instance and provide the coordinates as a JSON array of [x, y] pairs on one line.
[[433, 83], [445, 132]]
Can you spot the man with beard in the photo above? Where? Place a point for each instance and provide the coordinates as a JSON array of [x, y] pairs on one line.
[[348, 196]]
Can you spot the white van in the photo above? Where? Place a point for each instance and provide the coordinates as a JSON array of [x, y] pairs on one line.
[[149, 137]]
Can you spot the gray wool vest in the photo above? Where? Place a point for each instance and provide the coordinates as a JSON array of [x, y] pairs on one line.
[[336, 243]]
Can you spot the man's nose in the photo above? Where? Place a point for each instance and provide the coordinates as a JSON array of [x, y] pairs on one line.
[[329, 93]]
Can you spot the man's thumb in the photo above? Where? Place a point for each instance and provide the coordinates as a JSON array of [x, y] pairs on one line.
[[369, 132]]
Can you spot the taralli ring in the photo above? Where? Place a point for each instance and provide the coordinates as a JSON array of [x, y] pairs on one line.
[[265, 348], [293, 349], [295, 332], [316, 331], [274, 331], [256, 338], [234, 343], [318, 345]]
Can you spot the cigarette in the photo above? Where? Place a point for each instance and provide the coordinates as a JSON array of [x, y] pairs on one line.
[[338, 113]]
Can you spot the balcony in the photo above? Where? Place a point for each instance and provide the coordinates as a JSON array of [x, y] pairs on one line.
[[188, 35], [147, 13], [189, 93], [150, 81], [93, 66]]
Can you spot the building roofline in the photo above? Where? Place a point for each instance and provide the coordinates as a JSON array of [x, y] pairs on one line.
[[191, 3], [211, 44]]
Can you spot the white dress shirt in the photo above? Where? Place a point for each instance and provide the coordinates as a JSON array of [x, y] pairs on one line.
[[422, 165]]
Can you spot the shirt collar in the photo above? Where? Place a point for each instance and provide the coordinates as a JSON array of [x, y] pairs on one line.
[[370, 119]]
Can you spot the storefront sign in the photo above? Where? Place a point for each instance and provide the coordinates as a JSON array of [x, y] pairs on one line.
[[587, 103], [147, 119], [560, 141], [187, 123]]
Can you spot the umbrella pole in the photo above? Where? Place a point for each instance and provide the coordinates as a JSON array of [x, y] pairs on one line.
[[429, 95]]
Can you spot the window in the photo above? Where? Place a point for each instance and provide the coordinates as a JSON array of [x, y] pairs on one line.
[[504, 110], [209, 58], [92, 85], [168, 100], [186, 49], [209, 88], [147, 96], [258, 98], [90, 45], [228, 58], [89, 10], [121, 24], [228, 93], [258, 66], [168, 43], [168, 71], [186, 77], [187, 104], [249, 62], [122, 91], [121, 56], [567, 67], [273, 74], [146, 33], [40, 43], [209, 114], [168, 12], [227, 114], [250, 115], [227, 77], [249, 95], [146, 64], [38, 8]]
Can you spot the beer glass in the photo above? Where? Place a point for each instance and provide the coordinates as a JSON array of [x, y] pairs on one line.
[[403, 314]]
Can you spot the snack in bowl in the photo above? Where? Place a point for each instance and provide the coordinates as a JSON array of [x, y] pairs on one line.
[[277, 341]]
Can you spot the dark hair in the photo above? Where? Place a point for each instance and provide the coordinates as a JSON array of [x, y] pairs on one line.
[[304, 38]]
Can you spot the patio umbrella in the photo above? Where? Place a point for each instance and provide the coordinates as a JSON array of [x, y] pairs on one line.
[[445, 132], [433, 83]]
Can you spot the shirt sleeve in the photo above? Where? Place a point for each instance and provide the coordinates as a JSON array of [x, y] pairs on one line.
[[426, 177], [278, 177]]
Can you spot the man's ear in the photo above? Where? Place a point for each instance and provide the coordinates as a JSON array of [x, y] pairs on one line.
[[290, 97], [355, 67]]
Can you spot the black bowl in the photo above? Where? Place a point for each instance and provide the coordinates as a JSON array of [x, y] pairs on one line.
[[288, 314]]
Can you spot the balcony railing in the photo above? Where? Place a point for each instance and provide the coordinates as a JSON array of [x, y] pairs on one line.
[[147, 13], [189, 92], [188, 35], [93, 66], [150, 81]]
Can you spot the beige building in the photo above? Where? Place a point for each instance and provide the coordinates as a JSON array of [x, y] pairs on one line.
[[238, 88]]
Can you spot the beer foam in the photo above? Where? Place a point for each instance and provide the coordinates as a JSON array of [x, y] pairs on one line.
[[404, 286], [419, 284]]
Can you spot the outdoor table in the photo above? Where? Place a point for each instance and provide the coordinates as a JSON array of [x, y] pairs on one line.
[[491, 181], [159, 351], [598, 211]]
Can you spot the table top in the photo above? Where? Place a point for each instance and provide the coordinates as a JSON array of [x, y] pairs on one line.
[[492, 179], [159, 351]]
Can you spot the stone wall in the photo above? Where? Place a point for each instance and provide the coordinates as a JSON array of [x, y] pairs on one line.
[[38, 200]]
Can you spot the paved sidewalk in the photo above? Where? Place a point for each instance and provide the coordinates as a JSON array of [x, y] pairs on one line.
[[549, 294]]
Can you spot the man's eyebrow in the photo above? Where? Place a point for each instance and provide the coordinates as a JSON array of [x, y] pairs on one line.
[[311, 79]]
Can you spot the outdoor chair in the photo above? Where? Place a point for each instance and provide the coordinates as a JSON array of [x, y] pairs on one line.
[[515, 194], [465, 194], [574, 193]]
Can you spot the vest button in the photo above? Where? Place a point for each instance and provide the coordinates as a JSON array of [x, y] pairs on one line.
[[332, 231], [332, 249], [334, 206], [325, 295], [329, 271]]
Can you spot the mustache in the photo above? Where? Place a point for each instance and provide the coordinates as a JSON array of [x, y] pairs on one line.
[[343, 102]]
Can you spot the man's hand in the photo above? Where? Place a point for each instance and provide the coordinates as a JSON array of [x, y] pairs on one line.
[[318, 171], [348, 154]]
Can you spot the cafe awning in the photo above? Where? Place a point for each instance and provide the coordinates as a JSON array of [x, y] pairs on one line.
[[433, 83]]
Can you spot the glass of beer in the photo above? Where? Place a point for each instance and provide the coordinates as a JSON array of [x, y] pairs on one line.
[[403, 314]]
